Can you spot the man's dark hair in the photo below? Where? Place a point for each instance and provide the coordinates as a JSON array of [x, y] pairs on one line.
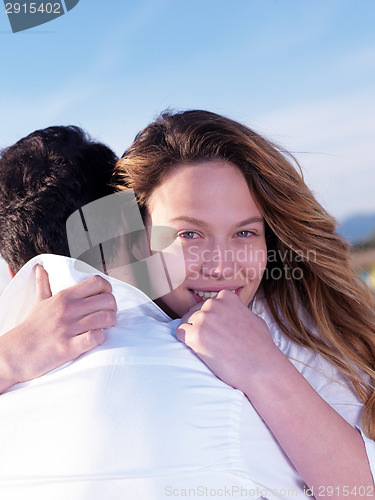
[[44, 178]]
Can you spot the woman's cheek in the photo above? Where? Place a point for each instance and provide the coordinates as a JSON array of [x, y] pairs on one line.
[[253, 267], [175, 264], [193, 270], [193, 261]]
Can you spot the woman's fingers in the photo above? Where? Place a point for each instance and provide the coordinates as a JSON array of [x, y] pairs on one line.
[[43, 289], [94, 285], [85, 342], [181, 332], [89, 305], [98, 320], [103, 301], [187, 317]]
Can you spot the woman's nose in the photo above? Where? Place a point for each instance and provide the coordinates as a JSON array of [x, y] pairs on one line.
[[218, 262]]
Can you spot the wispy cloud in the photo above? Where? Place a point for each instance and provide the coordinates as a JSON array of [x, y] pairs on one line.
[[334, 141]]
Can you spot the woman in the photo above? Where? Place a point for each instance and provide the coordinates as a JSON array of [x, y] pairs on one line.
[[249, 225]]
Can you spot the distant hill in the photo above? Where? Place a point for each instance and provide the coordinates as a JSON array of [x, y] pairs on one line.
[[358, 227]]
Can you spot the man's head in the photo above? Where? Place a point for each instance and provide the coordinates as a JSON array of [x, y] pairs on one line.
[[44, 178]]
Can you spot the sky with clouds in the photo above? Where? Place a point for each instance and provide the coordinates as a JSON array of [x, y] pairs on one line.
[[300, 71]]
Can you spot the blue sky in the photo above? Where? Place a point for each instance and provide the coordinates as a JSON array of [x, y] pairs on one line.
[[300, 71]]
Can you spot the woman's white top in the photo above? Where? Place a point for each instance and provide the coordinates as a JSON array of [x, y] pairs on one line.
[[141, 417]]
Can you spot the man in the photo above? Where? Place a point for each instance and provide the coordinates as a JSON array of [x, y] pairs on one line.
[[45, 177]]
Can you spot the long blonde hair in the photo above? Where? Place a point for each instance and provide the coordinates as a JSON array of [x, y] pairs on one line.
[[301, 237]]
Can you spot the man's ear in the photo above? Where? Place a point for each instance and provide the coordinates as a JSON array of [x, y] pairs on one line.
[[11, 272]]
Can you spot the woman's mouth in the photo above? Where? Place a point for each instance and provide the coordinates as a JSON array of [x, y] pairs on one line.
[[208, 294]]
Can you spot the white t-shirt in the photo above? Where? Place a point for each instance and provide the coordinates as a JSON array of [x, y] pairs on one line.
[[141, 417]]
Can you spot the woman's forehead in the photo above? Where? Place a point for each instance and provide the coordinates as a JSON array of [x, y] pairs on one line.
[[203, 188]]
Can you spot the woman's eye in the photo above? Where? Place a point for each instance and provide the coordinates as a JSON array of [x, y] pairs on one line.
[[189, 235], [245, 234]]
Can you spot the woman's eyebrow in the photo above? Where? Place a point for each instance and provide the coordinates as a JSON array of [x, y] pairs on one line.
[[198, 222], [190, 220], [251, 220]]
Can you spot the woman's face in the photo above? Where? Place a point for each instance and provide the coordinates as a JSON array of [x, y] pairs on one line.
[[221, 230]]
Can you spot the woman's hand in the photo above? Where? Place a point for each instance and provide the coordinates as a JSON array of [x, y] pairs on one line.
[[237, 346], [232, 341], [58, 329]]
